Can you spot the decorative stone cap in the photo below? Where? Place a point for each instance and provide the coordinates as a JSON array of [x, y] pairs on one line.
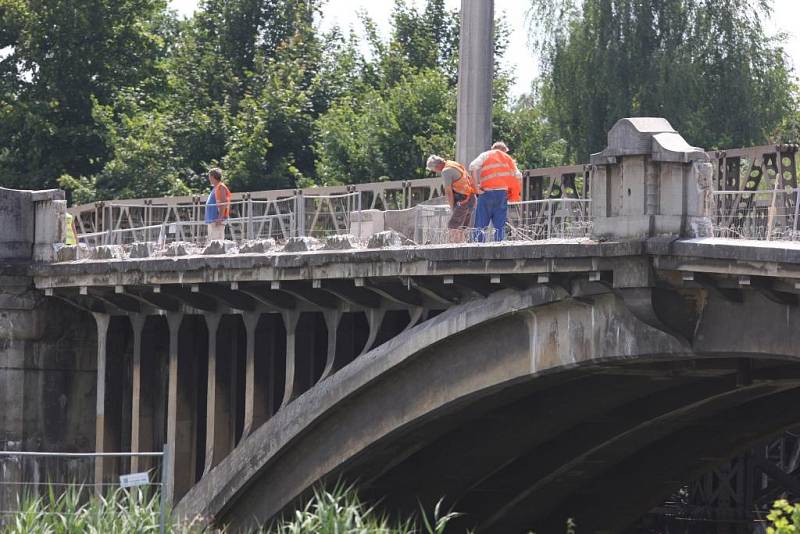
[[647, 136]]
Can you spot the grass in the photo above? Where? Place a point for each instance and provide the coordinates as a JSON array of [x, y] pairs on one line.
[[123, 511]]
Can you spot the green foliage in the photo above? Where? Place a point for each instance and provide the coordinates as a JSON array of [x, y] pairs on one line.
[[707, 66], [63, 54], [785, 518], [123, 511], [387, 134], [529, 135], [341, 512], [129, 101], [129, 511], [144, 162]]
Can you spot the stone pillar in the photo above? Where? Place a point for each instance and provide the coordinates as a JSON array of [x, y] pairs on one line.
[[256, 384], [219, 440], [475, 72], [649, 182], [102, 430], [31, 222]]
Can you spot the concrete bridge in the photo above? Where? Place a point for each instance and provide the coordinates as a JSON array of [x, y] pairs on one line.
[[524, 382]]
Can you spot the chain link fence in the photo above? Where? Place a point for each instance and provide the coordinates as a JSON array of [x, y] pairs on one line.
[[50, 475]]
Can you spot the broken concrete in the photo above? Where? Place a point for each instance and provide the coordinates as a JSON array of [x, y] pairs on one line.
[[341, 242], [215, 248], [302, 244], [73, 252], [386, 239], [179, 248], [141, 250], [108, 252], [259, 246]]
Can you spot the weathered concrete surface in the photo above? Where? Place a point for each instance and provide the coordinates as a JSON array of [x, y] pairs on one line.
[[30, 223], [341, 242], [260, 246], [109, 252], [216, 248], [47, 370], [649, 182], [141, 250], [387, 239], [302, 244], [713, 255]]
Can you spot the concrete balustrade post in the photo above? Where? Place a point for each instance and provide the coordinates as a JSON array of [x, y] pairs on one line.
[[649, 182]]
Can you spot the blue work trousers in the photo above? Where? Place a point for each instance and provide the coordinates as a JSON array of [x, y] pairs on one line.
[[492, 207]]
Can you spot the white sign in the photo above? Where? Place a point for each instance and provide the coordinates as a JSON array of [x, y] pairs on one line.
[[134, 479]]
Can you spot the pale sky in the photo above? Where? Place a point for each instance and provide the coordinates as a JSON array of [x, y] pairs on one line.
[[518, 56]]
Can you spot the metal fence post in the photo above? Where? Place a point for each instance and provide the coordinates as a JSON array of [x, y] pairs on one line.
[[549, 218], [249, 207], [300, 213]]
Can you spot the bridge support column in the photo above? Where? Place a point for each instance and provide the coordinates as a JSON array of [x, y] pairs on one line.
[[256, 383], [102, 432], [332, 364], [375, 320], [290, 319], [219, 440], [141, 431], [180, 415]]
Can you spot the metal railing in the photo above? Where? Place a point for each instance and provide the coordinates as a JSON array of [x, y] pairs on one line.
[[110, 216], [757, 215], [755, 197], [49, 475]]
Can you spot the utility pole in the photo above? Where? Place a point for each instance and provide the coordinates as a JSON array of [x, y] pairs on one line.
[[475, 73]]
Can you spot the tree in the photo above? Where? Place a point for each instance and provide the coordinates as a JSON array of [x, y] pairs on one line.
[[63, 55], [387, 135], [705, 65]]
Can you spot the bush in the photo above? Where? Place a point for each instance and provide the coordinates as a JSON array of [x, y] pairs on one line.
[[785, 518]]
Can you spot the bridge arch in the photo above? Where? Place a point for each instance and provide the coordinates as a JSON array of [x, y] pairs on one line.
[[510, 405]]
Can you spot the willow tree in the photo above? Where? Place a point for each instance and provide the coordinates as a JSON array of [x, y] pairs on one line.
[[711, 67]]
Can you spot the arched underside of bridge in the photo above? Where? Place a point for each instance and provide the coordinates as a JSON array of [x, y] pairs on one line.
[[527, 408]]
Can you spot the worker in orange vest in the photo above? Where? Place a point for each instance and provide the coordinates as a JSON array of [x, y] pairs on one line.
[[460, 192], [498, 180]]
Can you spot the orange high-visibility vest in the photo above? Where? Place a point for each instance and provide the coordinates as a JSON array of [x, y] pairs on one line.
[[500, 172], [461, 186], [223, 195]]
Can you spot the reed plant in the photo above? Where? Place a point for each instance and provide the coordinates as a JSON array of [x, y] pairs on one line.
[[136, 510]]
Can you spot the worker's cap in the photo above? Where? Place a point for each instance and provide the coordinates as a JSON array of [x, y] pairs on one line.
[[500, 146], [434, 162]]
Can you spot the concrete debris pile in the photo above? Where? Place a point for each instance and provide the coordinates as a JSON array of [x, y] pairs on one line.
[[294, 245]]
